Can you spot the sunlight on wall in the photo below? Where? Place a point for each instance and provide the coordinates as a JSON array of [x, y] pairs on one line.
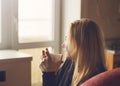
[[36, 72]]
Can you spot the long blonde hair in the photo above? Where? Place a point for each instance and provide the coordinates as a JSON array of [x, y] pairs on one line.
[[86, 47]]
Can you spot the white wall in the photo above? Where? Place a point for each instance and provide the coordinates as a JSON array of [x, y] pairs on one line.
[[71, 10], [6, 23]]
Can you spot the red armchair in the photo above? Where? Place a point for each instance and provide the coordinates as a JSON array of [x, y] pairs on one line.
[[108, 78]]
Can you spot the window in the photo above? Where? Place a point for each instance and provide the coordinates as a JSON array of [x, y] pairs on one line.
[[35, 20], [35, 24], [30, 26]]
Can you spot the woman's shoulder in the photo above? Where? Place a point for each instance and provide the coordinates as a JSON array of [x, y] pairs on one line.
[[68, 64]]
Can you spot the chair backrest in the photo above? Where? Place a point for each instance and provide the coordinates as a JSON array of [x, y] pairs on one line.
[[107, 78]]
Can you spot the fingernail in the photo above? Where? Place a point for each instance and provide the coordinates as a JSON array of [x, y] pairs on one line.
[[43, 52], [47, 49]]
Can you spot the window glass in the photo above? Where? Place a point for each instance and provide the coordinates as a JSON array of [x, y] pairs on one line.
[[35, 21]]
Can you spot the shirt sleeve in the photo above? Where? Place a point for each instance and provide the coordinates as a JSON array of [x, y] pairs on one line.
[[49, 79], [56, 78]]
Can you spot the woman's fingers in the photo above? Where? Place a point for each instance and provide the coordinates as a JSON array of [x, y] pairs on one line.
[[43, 52], [43, 56], [47, 50], [50, 62], [42, 66], [61, 59], [48, 54]]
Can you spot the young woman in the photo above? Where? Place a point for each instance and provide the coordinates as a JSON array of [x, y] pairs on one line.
[[85, 56]]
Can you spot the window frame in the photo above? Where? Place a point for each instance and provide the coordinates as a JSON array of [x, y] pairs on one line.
[[10, 28], [5, 24]]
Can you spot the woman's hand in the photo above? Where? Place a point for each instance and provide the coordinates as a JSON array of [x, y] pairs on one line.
[[50, 62]]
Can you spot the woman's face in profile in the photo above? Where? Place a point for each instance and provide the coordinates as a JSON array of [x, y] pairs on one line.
[[65, 46]]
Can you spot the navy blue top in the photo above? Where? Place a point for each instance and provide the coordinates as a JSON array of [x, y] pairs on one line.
[[63, 77]]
